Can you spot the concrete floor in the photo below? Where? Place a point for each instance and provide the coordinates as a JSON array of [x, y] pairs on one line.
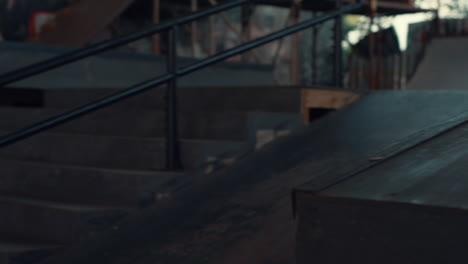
[[445, 66]]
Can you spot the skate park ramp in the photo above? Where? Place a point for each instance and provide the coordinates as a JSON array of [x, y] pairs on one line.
[[445, 66], [243, 214]]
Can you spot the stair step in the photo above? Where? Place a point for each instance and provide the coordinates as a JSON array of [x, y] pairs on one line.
[[44, 221], [11, 246], [83, 185], [28, 256], [134, 122], [24, 251], [263, 99], [208, 99], [60, 205], [118, 152]]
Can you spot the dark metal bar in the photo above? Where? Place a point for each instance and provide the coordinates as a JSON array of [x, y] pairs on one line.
[[266, 39], [379, 73], [82, 110], [314, 52], [136, 89], [400, 71], [371, 50], [246, 16], [49, 64], [295, 66], [359, 69], [172, 142], [156, 40], [338, 47], [351, 74]]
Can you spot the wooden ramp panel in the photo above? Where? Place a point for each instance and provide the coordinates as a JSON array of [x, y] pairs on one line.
[[409, 208]]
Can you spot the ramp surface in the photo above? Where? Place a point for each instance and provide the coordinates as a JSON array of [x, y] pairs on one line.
[[243, 214], [445, 66]]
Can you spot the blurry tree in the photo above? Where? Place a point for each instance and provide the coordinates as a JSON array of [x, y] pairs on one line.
[[458, 7], [448, 8]]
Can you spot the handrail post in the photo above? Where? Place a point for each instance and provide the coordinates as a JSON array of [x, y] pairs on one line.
[[246, 27], [372, 77], [156, 19], [338, 47], [295, 67], [314, 52], [172, 141]]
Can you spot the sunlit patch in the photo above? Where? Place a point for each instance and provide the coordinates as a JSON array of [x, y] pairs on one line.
[[265, 136], [402, 22]]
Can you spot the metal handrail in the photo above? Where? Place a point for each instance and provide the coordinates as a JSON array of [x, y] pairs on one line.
[[170, 78], [75, 55]]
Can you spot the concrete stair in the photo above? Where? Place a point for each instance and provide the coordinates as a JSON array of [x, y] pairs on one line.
[[192, 125], [14, 250], [83, 177], [33, 229], [77, 184], [190, 99], [59, 223], [117, 152]]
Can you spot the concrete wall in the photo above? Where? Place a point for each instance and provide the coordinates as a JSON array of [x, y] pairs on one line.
[[121, 69]]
